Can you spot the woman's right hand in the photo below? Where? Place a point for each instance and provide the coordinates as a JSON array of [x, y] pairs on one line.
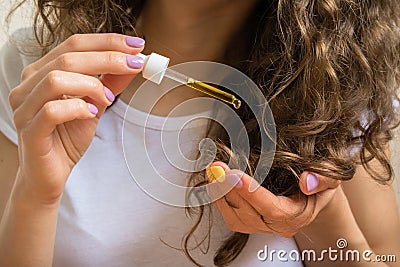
[[58, 103]]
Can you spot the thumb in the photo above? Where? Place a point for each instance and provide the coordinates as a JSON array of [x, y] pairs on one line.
[[117, 83], [311, 183]]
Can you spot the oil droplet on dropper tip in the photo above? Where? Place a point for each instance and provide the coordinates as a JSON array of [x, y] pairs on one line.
[[236, 103]]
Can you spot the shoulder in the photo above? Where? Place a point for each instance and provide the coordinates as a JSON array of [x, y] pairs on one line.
[[20, 50]]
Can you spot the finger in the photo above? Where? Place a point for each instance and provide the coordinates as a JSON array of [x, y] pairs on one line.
[[94, 63], [57, 84], [261, 199], [88, 63], [90, 42], [57, 112], [116, 83], [226, 209], [221, 164], [215, 171], [275, 208], [313, 204], [321, 200], [232, 220], [217, 198], [311, 183], [244, 211]]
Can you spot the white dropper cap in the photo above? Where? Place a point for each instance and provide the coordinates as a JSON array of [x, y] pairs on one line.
[[154, 67]]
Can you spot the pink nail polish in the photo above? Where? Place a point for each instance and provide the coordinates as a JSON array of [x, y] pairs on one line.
[[312, 182], [234, 179], [134, 41], [110, 96], [93, 109], [134, 62]]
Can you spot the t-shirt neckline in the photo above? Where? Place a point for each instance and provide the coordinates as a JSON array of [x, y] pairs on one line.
[[166, 123]]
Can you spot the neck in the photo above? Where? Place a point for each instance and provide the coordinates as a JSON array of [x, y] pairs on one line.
[[189, 30], [192, 30]]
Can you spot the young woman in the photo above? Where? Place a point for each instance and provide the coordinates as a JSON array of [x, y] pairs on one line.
[[328, 69]]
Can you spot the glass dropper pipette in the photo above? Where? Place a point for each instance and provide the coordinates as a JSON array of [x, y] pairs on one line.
[[155, 69], [203, 87]]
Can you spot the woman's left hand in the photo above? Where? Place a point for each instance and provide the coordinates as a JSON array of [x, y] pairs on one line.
[[250, 208]]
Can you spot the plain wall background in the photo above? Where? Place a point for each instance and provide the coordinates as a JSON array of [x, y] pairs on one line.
[[24, 16]]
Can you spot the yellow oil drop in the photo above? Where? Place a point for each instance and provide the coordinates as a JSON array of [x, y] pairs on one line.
[[215, 173]]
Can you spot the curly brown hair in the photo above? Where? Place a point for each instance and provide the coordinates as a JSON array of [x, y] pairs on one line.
[[329, 70]]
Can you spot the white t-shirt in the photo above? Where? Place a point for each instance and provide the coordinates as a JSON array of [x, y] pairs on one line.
[[105, 218]]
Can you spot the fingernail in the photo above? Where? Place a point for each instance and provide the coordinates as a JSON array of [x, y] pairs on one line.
[[312, 182], [134, 62], [234, 180], [110, 96], [215, 173], [134, 41], [93, 109]]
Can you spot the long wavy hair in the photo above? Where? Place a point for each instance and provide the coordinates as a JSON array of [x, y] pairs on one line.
[[329, 70]]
